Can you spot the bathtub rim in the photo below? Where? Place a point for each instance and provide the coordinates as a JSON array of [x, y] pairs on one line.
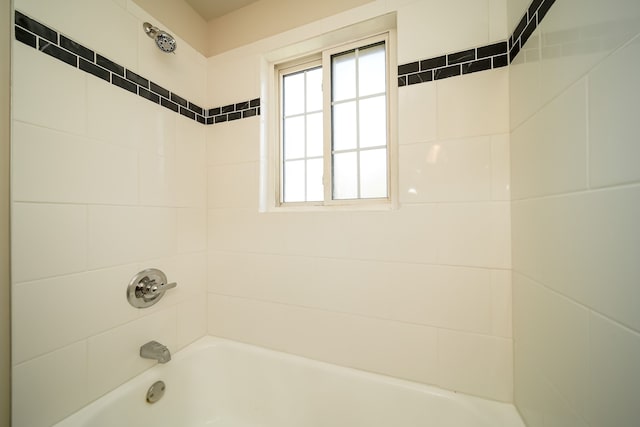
[[505, 411]]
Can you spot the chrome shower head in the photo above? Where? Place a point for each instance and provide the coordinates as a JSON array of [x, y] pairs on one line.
[[164, 40]]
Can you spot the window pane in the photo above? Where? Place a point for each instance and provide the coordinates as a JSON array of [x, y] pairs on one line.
[[315, 190], [314, 135], [345, 136], [343, 78], [345, 176], [314, 90], [294, 181], [294, 138], [372, 70], [373, 173], [373, 122], [293, 94]]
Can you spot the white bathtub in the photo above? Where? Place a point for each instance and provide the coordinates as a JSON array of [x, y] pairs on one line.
[[216, 382]]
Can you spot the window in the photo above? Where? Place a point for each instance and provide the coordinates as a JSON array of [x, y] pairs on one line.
[[334, 144]]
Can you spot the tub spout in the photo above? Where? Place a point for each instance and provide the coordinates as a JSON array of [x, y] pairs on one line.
[[155, 350]]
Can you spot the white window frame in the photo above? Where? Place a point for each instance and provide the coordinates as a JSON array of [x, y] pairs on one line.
[[304, 53]]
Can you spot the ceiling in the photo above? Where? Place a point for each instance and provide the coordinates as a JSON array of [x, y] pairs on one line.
[[211, 9]]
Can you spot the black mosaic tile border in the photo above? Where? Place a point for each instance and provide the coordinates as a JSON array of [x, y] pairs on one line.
[[454, 64], [231, 112], [488, 57], [535, 13], [495, 55], [41, 37]]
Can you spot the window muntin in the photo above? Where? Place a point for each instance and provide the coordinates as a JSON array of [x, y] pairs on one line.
[[302, 136], [359, 131], [346, 159]]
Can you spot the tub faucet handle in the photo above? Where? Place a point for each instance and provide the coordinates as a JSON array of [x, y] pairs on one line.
[[147, 287], [152, 287]]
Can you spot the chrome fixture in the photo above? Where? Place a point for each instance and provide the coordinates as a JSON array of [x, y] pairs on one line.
[[164, 40], [156, 351], [147, 287], [156, 391]]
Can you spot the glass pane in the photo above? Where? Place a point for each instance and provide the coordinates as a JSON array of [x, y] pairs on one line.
[[373, 173], [344, 126], [314, 90], [315, 190], [373, 122], [294, 181], [294, 94], [314, 135], [345, 176], [372, 70], [344, 76], [294, 138]]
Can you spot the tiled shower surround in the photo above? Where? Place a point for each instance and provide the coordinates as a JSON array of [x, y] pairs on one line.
[[39, 36], [106, 184], [47, 40]]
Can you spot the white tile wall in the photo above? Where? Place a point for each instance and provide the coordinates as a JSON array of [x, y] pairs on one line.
[[500, 167], [38, 380], [33, 91], [498, 26], [111, 170], [439, 262], [450, 297], [104, 184], [476, 364], [525, 94], [417, 113], [233, 142], [613, 126], [48, 240], [502, 296], [472, 105], [574, 234], [446, 171], [419, 26], [396, 292], [613, 375], [569, 52], [549, 151], [392, 348], [579, 251], [192, 230], [49, 165], [244, 192], [476, 234], [61, 320]]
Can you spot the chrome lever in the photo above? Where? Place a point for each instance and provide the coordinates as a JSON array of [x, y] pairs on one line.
[[151, 287], [147, 287]]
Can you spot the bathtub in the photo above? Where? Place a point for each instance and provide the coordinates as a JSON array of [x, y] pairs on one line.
[[221, 383]]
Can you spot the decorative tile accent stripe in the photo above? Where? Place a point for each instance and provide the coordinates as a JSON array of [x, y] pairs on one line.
[[232, 112], [39, 36], [482, 58], [532, 17], [454, 64]]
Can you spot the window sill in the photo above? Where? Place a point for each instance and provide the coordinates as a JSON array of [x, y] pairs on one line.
[[353, 207]]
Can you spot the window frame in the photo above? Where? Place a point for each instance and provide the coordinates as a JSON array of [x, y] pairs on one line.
[[323, 58]]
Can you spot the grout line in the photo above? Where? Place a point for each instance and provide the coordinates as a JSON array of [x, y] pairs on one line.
[[591, 310], [361, 260], [362, 315], [588, 135], [613, 187]]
